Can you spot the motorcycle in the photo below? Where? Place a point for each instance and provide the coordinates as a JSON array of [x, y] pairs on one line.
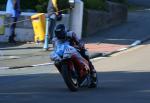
[[74, 69]]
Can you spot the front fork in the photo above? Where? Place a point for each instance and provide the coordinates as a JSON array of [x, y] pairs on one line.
[[58, 66]]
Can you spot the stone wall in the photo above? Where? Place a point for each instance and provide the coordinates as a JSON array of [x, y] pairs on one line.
[[95, 21], [24, 30]]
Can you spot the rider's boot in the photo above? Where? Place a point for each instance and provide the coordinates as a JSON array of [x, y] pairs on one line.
[[93, 76]]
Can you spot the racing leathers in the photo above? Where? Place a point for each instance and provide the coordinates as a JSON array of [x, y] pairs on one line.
[[74, 41]]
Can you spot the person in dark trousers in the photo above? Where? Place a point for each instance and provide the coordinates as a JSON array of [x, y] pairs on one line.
[[52, 11], [13, 10]]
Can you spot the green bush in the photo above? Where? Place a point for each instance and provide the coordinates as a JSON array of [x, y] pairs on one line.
[[36, 5], [120, 1], [95, 4], [41, 5], [3, 4], [63, 4]]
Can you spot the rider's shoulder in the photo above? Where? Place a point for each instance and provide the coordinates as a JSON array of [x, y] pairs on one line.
[[54, 39], [70, 33]]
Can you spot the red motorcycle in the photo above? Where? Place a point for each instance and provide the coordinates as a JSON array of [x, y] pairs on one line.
[[74, 69]]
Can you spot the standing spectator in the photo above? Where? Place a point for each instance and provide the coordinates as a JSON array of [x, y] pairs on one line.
[[53, 7], [13, 10]]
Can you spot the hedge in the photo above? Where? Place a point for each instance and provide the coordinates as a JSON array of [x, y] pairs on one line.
[[120, 1], [41, 5], [26, 5], [95, 4], [2, 4]]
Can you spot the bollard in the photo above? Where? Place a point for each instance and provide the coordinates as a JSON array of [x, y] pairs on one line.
[[76, 18], [46, 35]]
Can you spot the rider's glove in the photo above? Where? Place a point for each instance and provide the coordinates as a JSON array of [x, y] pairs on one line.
[[81, 45], [55, 57]]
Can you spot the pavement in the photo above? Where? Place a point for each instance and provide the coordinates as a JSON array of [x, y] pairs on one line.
[[104, 43], [121, 37]]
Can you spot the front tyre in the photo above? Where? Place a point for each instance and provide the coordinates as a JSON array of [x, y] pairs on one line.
[[70, 77]]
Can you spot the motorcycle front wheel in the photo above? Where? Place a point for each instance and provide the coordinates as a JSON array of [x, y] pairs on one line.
[[70, 77]]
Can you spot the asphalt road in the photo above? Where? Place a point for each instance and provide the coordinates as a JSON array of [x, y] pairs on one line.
[[140, 2], [123, 78]]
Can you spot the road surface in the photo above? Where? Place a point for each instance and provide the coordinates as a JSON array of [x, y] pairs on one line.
[[123, 78], [140, 2]]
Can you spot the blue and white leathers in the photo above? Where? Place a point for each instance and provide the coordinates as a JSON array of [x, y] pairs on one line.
[[63, 50]]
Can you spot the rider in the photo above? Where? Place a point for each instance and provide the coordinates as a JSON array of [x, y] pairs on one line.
[[61, 35]]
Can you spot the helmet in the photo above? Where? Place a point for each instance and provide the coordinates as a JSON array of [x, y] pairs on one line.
[[60, 31]]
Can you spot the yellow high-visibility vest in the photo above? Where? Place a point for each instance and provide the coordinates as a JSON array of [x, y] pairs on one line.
[[54, 2]]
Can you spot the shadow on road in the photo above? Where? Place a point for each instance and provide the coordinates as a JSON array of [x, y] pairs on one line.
[[6, 45], [119, 87], [19, 46]]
